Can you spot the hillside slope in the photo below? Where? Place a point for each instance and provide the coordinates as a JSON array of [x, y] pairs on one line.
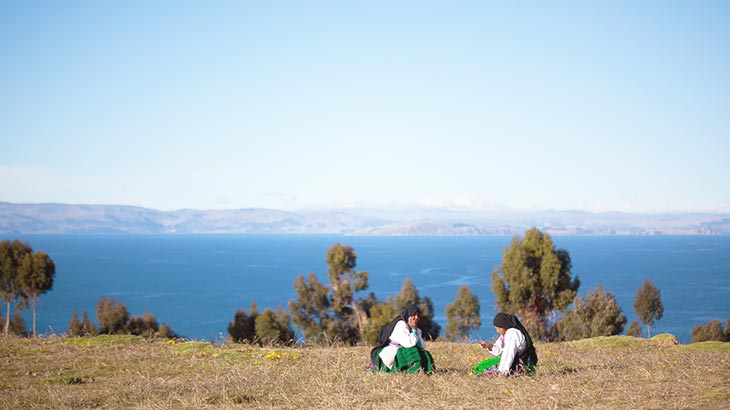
[[123, 372]]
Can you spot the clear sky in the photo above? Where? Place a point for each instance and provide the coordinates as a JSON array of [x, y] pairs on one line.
[[298, 105]]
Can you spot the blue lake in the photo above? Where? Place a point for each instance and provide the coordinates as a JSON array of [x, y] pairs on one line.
[[195, 283]]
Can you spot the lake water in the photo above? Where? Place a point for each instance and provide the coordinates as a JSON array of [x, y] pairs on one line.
[[195, 283]]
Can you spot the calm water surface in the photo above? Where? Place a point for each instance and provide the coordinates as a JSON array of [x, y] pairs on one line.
[[195, 283]]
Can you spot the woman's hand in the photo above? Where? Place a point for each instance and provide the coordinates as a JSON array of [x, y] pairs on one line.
[[486, 345], [413, 322]]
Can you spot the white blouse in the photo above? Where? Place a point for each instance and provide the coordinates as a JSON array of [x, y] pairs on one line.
[[508, 346], [402, 336]]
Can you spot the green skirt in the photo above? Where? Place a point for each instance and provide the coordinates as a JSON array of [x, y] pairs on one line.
[[490, 366], [409, 360]]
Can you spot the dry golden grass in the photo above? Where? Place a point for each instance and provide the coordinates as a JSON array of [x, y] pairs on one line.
[[112, 372]]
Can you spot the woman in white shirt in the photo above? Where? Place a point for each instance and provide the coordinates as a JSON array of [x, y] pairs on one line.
[[514, 347], [401, 346]]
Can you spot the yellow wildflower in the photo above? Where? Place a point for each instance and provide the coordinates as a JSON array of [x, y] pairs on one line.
[[274, 355]]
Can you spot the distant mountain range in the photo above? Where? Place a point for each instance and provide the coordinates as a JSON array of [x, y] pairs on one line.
[[94, 219]]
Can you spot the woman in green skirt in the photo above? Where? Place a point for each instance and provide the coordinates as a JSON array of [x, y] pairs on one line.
[[401, 346], [514, 349]]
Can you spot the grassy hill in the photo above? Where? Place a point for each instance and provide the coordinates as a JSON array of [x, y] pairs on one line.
[[125, 372]]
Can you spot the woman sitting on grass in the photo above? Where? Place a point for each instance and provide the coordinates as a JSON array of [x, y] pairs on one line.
[[514, 349], [400, 346]]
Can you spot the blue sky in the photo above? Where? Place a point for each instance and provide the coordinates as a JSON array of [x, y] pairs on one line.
[[301, 105]]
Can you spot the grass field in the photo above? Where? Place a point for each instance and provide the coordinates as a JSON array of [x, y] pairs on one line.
[[125, 372]]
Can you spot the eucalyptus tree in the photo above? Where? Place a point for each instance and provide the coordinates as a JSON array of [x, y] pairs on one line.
[[35, 277], [310, 312], [648, 304], [381, 314], [12, 255], [345, 282], [534, 281], [325, 314], [462, 315]]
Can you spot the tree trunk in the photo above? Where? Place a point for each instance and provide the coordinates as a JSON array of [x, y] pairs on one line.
[[33, 300], [362, 319], [7, 320]]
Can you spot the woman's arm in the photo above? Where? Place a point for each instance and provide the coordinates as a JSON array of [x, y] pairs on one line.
[[403, 336], [495, 348], [513, 338], [420, 341]]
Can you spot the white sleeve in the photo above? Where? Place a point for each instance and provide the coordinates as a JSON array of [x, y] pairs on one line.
[[403, 336], [497, 346], [513, 339]]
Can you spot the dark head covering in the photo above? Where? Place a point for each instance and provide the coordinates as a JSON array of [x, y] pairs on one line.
[[504, 320], [384, 336], [410, 311], [507, 321]]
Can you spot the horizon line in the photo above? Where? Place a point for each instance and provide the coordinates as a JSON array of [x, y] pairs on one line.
[[722, 210]]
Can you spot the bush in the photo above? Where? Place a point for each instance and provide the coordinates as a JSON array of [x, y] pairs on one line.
[[74, 327], [712, 331], [598, 315], [243, 327], [113, 318], [88, 328], [145, 325], [83, 328], [274, 328], [166, 332], [634, 329], [17, 325]]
